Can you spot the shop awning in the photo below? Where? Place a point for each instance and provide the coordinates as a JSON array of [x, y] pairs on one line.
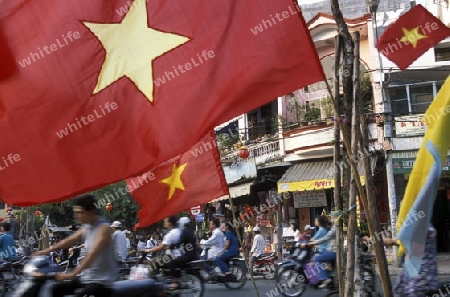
[[237, 191], [240, 190], [317, 175]]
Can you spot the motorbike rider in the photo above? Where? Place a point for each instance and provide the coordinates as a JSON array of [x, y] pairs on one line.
[[230, 250], [169, 244], [322, 223], [214, 244], [306, 236], [188, 251], [257, 247], [99, 266], [325, 254], [216, 241]]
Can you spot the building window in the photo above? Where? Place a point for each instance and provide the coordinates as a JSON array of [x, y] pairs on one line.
[[442, 52], [421, 97], [412, 98], [399, 100]]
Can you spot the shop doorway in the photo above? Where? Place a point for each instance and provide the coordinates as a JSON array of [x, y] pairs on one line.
[[441, 220]]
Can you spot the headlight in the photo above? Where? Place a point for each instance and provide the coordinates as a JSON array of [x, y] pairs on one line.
[[29, 268]]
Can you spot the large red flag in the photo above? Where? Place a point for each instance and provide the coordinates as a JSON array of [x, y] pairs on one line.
[[101, 91], [411, 36], [193, 178]]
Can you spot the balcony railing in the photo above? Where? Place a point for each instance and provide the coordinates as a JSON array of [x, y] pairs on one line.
[[262, 152]]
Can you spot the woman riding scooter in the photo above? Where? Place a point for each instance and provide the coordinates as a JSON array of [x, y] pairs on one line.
[[327, 254]]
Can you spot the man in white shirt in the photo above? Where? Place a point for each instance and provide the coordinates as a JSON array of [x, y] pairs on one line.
[[120, 242], [170, 240], [169, 244], [257, 247], [216, 242]]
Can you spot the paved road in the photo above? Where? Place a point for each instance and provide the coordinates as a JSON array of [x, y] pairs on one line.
[[266, 288]]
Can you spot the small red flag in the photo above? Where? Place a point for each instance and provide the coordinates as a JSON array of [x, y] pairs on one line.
[[411, 36], [104, 90], [193, 178]]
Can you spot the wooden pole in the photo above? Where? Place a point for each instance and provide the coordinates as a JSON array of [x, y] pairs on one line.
[[387, 290], [337, 176], [351, 225], [371, 219], [371, 207], [240, 243], [357, 123]]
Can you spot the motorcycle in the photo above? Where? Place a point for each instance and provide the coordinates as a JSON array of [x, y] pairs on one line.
[[191, 282], [11, 273], [39, 270], [236, 281], [294, 274], [291, 276], [265, 266]]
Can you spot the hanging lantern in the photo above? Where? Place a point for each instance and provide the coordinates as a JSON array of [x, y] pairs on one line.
[[109, 207], [37, 213], [243, 152]]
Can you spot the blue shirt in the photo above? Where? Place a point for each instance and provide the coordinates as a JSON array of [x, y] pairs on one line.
[[7, 246], [321, 233], [233, 247]]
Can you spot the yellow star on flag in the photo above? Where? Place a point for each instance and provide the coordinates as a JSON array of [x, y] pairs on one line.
[[412, 36], [174, 180], [131, 47]]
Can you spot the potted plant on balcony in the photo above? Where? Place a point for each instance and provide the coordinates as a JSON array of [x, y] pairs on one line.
[[327, 108], [312, 115], [295, 114]]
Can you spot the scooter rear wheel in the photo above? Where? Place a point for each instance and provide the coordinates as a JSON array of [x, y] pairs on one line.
[[271, 274], [290, 282], [195, 284], [239, 273]]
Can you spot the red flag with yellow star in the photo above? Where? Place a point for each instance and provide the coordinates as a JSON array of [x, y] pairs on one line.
[[411, 36], [193, 178], [95, 92]]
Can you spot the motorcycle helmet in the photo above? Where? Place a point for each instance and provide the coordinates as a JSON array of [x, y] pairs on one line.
[[183, 221]]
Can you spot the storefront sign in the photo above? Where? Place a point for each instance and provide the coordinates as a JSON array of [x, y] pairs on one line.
[[405, 165], [242, 170], [411, 125], [200, 218], [306, 199], [195, 210]]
